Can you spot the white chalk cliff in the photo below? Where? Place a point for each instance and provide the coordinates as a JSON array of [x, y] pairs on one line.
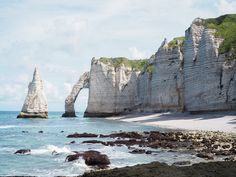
[[83, 82], [35, 105], [188, 75]]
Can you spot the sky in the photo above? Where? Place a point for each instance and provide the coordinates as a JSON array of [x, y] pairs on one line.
[[61, 37]]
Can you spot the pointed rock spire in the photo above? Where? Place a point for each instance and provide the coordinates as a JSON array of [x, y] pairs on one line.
[[35, 105]]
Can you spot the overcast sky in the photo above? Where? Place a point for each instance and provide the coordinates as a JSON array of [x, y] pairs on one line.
[[61, 37]]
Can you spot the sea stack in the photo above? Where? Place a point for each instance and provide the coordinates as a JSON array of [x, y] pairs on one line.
[[35, 105]]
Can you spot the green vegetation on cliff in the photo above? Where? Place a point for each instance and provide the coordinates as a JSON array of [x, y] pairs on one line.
[[137, 65], [225, 27], [178, 41]]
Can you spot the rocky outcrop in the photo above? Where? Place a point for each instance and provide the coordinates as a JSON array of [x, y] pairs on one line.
[[35, 105], [112, 90], [83, 82], [193, 73]]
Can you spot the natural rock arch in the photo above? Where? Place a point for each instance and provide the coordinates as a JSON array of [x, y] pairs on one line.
[[83, 82]]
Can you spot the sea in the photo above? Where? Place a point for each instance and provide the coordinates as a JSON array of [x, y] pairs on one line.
[[18, 134]]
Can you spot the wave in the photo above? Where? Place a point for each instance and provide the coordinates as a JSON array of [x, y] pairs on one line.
[[6, 126], [50, 149]]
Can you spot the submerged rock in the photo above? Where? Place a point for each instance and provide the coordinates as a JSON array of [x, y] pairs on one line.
[[23, 151], [35, 105]]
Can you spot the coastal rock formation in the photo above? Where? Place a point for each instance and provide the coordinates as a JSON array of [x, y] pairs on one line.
[[161, 88], [35, 105], [112, 89], [208, 75], [83, 82], [193, 73]]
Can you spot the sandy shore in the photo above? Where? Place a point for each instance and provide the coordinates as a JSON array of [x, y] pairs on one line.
[[214, 121]]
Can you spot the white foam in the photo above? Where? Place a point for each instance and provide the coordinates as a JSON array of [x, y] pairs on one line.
[[51, 148], [6, 126]]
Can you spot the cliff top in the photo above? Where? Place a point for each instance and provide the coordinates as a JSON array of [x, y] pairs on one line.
[[136, 65], [177, 41], [225, 27]]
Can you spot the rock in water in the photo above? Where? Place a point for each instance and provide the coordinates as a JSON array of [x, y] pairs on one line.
[[35, 105]]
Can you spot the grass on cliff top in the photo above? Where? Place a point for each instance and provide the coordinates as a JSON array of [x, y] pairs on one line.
[[137, 65], [178, 41], [225, 27]]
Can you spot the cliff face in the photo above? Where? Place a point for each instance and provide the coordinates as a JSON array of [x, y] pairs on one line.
[[209, 82], [112, 90], [35, 105], [161, 89], [191, 73]]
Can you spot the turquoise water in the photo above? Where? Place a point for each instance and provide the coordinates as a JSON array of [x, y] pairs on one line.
[[41, 162]]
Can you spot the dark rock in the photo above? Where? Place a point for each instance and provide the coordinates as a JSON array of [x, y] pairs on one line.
[[40, 131], [148, 152], [23, 151], [230, 158], [72, 142], [73, 157], [82, 135], [93, 142], [95, 158], [138, 151], [91, 158], [62, 131], [207, 156], [182, 163], [133, 135], [24, 131]]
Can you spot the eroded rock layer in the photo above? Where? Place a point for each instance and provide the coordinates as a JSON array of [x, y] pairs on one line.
[[192, 73]]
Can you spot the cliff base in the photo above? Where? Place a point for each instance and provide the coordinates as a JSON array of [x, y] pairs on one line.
[[33, 115]]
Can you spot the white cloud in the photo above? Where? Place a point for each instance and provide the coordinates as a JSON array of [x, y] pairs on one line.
[[136, 54], [226, 7]]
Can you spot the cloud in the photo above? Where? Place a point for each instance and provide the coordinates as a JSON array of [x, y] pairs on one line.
[[136, 54], [226, 7]]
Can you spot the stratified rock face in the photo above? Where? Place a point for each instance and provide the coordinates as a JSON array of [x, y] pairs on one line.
[[83, 82], [112, 90], [35, 105], [192, 75], [208, 77], [162, 88]]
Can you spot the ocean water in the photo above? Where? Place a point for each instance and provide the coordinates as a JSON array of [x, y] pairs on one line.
[[41, 161]]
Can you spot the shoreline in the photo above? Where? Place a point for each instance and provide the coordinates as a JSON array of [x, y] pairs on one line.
[[209, 121]]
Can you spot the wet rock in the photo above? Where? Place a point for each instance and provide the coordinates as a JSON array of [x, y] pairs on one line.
[[91, 158], [72, 142], [230, 158], [23, 151], [207, 156], [62, 131], [73, 157], [40, 131], [182, 163], [93, 142], [133, 135], [138, 151], [82, 135], [95, 158]]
